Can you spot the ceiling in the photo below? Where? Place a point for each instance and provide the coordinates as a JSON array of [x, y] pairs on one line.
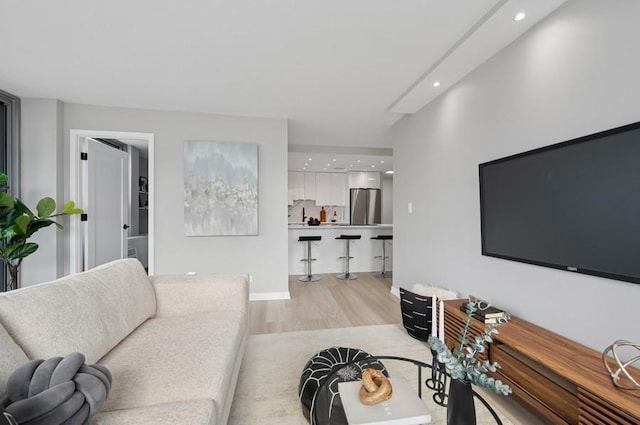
[[341, 71]]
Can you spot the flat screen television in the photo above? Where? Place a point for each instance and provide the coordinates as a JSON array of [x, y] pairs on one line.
[[573, 206]]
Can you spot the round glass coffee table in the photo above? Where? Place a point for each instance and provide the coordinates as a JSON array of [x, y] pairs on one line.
[[415, 383]]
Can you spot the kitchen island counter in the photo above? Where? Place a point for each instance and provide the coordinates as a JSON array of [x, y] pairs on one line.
[[327, 250]]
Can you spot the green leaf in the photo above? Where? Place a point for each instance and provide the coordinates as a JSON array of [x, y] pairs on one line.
[[46, 207], [7, 216], [38, 224], [21, 224], [23, 209], [4, 179], [23, 250], [70, 208], [6, 200]]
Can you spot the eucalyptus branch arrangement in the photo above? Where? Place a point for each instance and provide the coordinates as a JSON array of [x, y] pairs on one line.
[[464, 363], [18, 223]]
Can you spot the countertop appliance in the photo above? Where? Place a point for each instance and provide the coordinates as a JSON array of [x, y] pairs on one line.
[[365, 206]]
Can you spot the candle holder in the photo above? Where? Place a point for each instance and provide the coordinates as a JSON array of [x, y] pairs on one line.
[[438, 380]]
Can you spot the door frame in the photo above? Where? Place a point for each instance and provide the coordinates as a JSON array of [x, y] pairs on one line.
[[75, 235]]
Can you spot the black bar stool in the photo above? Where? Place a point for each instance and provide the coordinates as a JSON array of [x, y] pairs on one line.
[[384, 239], [346, 274], [309, 277]]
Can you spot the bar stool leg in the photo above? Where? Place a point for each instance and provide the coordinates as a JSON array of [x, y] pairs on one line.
[[347, 275], [383, 271], [309, 277]]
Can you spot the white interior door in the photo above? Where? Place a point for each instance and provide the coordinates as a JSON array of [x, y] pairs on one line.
[[105, 199]]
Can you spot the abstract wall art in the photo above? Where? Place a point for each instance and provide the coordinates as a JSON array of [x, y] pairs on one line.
[[220, 188]]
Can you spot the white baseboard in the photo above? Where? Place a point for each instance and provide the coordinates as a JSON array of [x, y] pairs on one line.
[[395, 291], [266, 296]]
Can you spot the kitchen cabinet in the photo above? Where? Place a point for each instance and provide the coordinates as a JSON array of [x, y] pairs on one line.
[[296, 180], [295, 186], [364, 179], [301, 186], [339, 189], [310, 186], [323, 189], [331, 189]]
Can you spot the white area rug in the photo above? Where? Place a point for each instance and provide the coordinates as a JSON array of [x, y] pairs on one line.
[[267, 391]]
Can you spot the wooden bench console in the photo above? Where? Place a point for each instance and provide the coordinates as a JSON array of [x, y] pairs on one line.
[[562, 380]]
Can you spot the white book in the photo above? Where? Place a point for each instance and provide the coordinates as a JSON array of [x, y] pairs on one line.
[[403, 408]]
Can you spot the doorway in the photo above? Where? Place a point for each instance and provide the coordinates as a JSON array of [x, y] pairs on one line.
[[92, 242]]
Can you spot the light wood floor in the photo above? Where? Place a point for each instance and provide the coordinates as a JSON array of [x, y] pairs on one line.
[[333, 303], [328, 303]]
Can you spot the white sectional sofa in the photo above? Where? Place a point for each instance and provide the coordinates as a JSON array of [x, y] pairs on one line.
[[173, 344]]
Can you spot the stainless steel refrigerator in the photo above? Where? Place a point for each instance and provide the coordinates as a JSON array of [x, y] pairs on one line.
[[365, 206]]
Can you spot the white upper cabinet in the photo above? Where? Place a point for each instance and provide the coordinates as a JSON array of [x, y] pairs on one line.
[[296, 186], [310, 186], [364, 179], [296, 180], [331, 189], [338, 189], [323, 189]]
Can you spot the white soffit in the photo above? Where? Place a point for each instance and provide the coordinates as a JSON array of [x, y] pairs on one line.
[[491, 34]]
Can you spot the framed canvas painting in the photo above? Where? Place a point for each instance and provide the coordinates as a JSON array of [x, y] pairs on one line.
[[220, 188]]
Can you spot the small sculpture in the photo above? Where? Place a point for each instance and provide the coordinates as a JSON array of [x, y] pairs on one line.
[[610, 356], [376, 387]]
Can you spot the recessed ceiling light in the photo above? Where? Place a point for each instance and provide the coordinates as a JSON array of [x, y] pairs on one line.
[[389, 172], [357, 160], [373, 166], [304, 168], [324, 169], [436, 84], [329, 165], [334, 160], [350, 165], [306, 163], [519, 16], [381, 161], [309, 159]]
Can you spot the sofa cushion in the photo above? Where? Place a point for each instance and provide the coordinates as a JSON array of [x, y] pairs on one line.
[[89, 312], [177, 358], [192, 412], [11, 357]]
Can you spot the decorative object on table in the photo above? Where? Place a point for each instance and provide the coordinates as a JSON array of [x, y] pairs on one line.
[[334, 218], [484, 312], [313, 222], [324, 407], [220, 188], [375, 388], [419, 308], [405, 407], [18, 223], [611, 359], [323, 215], [465, 367], [56, 391]]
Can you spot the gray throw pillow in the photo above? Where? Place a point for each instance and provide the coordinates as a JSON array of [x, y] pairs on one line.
[[57, 390]]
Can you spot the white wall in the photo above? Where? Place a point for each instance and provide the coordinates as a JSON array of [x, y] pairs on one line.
[[265, 255], [41, 153], [574, 74]]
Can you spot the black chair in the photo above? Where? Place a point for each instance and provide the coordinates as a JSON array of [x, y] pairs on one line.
[[347, 275], [309, 277], [384, 238]]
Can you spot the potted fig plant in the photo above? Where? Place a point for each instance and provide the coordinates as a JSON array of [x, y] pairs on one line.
[[466, 367], [18, 223]]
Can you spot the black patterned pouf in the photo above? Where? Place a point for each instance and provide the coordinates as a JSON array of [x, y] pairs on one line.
[[325, 407]]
